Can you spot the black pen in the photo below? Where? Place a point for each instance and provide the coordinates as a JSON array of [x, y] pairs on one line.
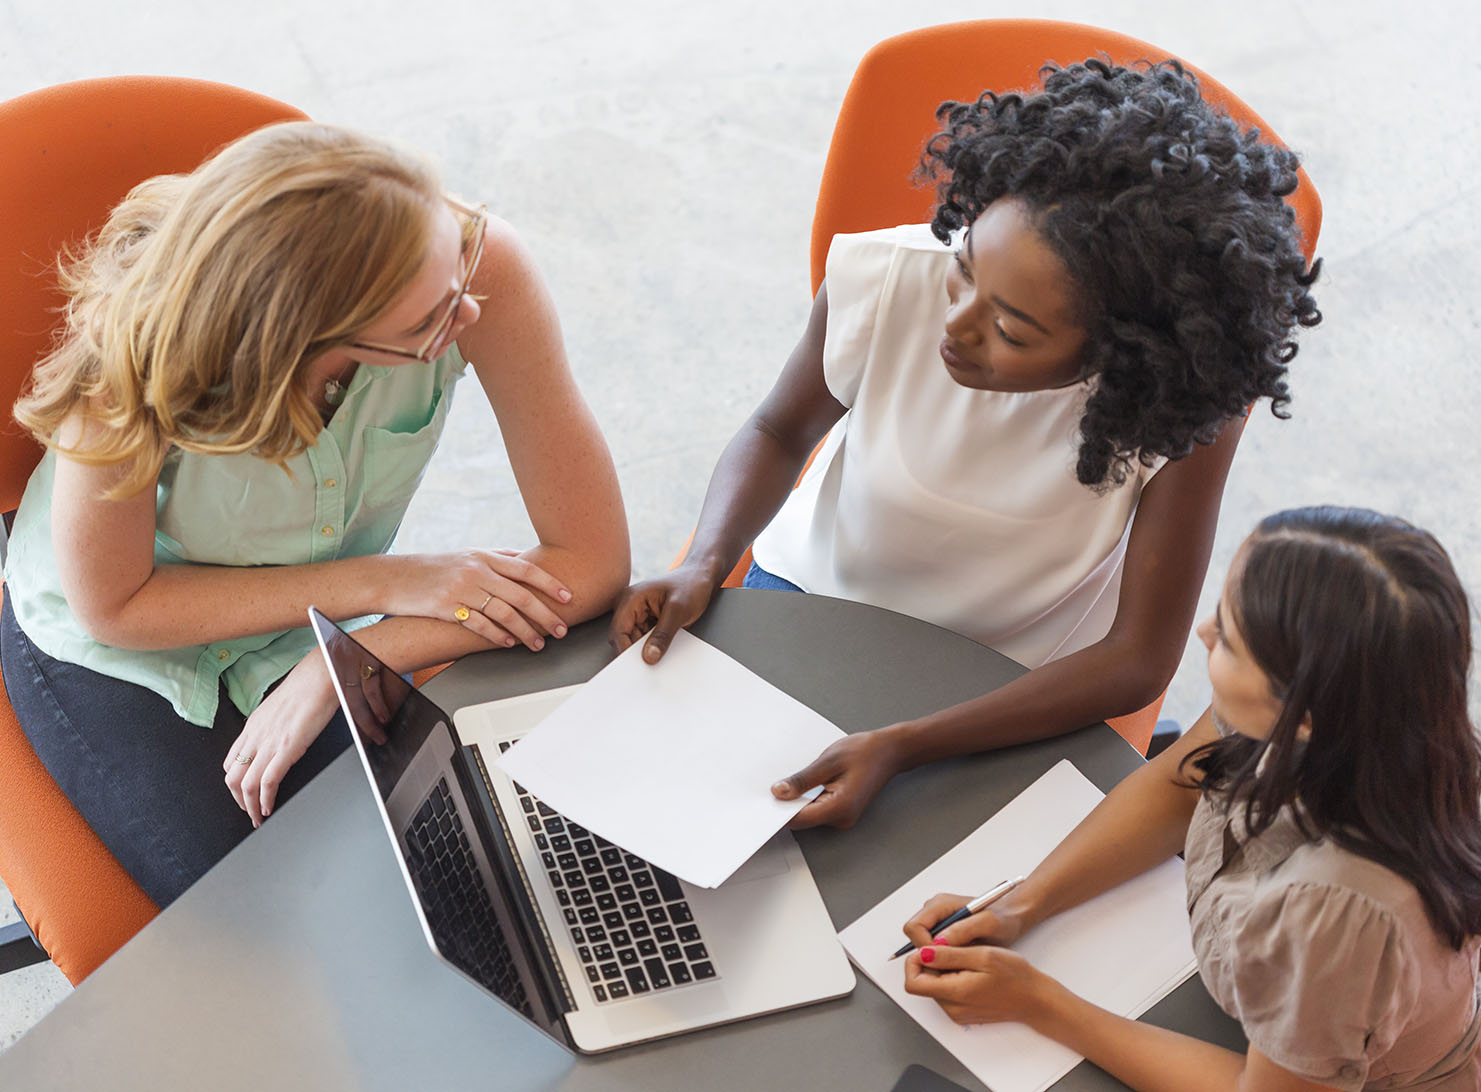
[[987, 898]]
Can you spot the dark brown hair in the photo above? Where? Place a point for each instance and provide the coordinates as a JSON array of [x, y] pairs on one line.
[[1360, 623]]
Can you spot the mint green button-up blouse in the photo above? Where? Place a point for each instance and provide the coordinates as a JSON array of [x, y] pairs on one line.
[[345, 497]]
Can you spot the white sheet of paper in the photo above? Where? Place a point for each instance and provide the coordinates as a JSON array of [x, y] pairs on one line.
[[675, 761], [1124, 951]]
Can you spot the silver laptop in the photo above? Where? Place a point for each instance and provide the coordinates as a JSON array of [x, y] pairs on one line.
[[588, 942]]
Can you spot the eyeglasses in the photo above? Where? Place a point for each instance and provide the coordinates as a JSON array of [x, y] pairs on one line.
[[472, 252]]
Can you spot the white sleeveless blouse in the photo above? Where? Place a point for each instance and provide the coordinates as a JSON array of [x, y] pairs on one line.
[[954, 505]]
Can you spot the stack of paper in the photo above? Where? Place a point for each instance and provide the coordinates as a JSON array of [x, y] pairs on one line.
[[1124, 951]]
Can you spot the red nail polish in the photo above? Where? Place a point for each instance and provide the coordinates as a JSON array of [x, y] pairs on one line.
[[927, 954]]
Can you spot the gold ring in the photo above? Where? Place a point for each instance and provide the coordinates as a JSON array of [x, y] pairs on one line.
[[243, 760], [461, 614], [485, 603]]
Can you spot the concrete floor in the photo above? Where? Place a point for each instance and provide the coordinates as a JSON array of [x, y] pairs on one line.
[[662, 160]]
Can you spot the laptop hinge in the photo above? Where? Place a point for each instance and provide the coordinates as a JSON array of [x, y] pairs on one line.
[[555, 976]]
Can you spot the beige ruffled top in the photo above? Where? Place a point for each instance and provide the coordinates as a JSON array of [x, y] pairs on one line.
[[1329, 960]]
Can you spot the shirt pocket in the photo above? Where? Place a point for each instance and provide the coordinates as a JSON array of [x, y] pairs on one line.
[[396, 458]]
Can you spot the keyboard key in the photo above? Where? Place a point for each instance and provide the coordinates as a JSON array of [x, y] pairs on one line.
[[632, 911], [534, 821], [598, 883], [585, 847], [618, 990], [640, 928], [624, 891], [679, 913], [665, 933], [548, 860], [606, 901], [642, 878], [704, 970], [658, 915], [637, 980], [581, 897], [570, 916], [634, 862], [589, 916], [612, 857], [596, 933], [611, 970], [601, 951], [688, 934], [577, 830], [649, 896], [562, 896], [546, 810], [526, 803], [695, 952], [599, 992], [645, 947], [592, 975], [583, 953], [612, 919], [680, 972], [671, 952], [627, 957], [668, 883], [555, 824], [574, 879], [578, 935], [657, 973], [560, 843], [566, 862], [620, 936]]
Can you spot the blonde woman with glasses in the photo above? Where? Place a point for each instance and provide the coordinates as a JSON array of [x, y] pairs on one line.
[[256, 365]]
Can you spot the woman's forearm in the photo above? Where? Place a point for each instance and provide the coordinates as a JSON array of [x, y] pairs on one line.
[[188, 604], [1142, 822], [750, 483]]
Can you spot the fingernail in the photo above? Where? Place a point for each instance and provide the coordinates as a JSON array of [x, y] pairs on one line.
[[508, 642], [781, 788], [539, 644], [651, 655], [560, 631], [565, 596], [927, 954]]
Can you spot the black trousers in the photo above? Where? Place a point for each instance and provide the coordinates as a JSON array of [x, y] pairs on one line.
[[148, 782]]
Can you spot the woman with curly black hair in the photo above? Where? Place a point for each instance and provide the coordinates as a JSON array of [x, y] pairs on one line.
[[1045, 477]]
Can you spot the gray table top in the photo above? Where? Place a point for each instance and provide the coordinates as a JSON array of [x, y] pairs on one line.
[[298, 960]]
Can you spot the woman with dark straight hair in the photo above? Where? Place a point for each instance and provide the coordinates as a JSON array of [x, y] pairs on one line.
[[1329, 806]]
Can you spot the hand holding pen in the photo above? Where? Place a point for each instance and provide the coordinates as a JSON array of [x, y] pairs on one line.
[[981, 902]]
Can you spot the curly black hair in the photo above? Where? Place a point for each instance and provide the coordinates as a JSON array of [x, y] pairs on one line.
[[1171, 222]]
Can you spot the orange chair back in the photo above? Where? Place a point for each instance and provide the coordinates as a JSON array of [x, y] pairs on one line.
[[888, 114], [72, 152]]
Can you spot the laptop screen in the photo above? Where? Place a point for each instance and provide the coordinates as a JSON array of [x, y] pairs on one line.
[[440, 825]]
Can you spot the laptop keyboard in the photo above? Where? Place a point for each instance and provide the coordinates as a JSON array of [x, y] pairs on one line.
[[455, 899], [632, 927]]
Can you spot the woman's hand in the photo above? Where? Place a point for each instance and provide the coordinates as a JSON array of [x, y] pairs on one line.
[[277, 734], [981, 984], [665, 605], [491, 592], [998, 924], [851, 771]]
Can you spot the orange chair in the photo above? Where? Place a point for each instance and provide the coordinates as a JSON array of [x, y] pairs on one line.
[[888, 114], [72, 152]]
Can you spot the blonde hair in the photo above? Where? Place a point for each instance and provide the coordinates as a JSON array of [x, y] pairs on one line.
[[194, 313]]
